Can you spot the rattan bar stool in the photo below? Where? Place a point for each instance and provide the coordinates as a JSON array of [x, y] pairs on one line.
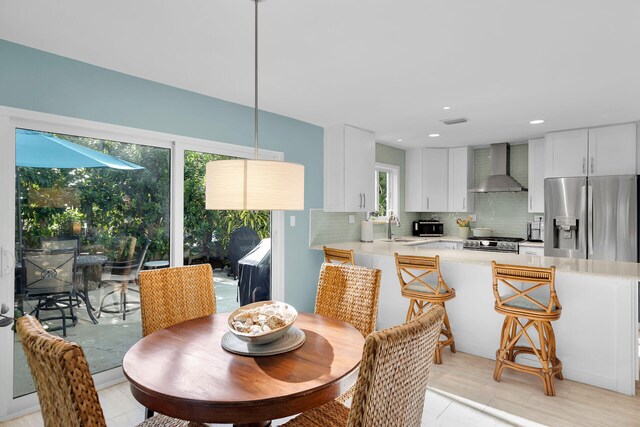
[[414, 273], [529, 294], [338, 256]]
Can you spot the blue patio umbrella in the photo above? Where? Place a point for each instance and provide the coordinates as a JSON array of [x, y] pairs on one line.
[[40, 150]]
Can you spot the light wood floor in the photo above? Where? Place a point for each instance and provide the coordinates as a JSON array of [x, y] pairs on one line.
[[462, 393], [520, 394]]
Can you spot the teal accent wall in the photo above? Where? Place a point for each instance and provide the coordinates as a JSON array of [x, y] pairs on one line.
[[35, 80]]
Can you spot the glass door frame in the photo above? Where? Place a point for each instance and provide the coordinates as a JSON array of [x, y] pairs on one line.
[[12, 118]]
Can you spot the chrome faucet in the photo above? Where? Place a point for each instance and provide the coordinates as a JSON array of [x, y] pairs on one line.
[[392, 217]]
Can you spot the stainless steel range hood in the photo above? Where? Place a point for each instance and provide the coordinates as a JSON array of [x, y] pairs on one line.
[[499, 180]]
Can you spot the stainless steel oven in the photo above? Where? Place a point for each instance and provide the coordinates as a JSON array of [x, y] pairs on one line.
[[427, 228], [493, 244]]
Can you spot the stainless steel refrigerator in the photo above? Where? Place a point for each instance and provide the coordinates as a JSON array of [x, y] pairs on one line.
[[592, 218]]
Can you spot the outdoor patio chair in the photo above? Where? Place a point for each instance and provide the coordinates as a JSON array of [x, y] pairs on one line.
[[57, 243], [122, 275], [63, 381], [49, 278], [392, 381]]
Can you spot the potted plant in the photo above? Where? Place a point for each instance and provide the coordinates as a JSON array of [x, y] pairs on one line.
[[463, 227]]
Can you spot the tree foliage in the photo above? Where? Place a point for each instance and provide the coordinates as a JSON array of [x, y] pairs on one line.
[[110, 204]]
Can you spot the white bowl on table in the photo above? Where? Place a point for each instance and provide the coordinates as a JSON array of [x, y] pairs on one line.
[[482, 232], [264, 337]]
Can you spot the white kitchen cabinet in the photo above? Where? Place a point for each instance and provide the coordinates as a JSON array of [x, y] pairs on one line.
[[448, 245], [536, 174], [566, 153], [349, 169], [531, 250], [608, 150], [413, 180], [460, 180], [435, 179], [612, 150]]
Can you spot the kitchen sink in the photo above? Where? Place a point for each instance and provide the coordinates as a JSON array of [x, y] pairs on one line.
[[399, 239]]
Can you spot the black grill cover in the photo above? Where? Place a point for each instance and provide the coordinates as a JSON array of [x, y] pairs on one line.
[[254, 281], [240, 243]]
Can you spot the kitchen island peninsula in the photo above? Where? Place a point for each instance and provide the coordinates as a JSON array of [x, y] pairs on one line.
[[596, 335]]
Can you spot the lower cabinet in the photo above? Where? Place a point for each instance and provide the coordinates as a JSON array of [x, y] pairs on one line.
[[531, 250], [448, 245]]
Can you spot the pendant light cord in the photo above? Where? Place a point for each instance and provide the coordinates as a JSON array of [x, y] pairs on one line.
[[256, 81]]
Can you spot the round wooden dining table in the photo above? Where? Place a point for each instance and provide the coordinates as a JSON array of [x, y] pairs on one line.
[[183, 372]]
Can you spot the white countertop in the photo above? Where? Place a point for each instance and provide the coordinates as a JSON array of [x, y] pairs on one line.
[[567, 265]]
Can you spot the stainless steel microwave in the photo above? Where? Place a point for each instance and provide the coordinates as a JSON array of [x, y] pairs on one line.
[[425, 228]]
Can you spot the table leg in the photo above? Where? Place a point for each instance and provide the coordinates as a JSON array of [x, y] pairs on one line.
[[84, 295]]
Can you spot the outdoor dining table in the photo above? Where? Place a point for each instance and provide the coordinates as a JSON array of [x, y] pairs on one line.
[[83, 261], [184, 372]]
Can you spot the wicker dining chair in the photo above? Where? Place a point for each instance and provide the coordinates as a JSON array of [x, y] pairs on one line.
[[339, 256], [349, 293], [63, 381], [392, 381], [174, 295]]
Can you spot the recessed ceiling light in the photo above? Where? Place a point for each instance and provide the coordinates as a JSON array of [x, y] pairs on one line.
[[536, 122], [434, 135], [399, 140], [446, 108]]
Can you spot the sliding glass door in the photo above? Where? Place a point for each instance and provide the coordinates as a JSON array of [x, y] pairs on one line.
[[92, 212], [140, 203], [237, 244]]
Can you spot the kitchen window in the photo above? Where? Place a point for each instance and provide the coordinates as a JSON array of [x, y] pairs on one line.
[[387, 177]]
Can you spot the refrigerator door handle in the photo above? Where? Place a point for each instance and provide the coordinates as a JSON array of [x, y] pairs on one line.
[[582, 231], [590, 219]]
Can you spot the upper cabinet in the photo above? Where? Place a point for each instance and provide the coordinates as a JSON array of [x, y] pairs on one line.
[[438, 180], [349, 169], [566, 153], [435, 177], [536, 174], [609, 150], [460, 179], [612, 150], [413, 180]]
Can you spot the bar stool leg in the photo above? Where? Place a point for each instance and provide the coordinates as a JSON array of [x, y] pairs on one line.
[[508, 326], [416, 308], [446, 331]]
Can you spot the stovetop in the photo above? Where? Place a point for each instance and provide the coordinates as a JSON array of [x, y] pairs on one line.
[[495, 244]]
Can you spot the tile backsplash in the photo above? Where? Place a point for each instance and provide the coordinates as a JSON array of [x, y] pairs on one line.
[[334, 227], [506, 213]]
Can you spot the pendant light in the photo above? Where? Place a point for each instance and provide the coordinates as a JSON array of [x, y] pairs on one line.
[[245, 184]]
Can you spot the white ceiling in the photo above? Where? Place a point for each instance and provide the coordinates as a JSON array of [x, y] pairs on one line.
[[384, 65]]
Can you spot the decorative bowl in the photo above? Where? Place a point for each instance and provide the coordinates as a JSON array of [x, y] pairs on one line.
[[482, 232], [264, 337]]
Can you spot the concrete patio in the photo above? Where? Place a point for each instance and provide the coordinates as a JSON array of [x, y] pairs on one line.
[[106, 343]]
